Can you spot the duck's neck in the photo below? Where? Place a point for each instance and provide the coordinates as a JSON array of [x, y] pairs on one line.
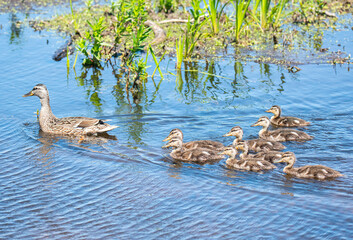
[[231, 158], [179, 148], [244, 154], [237, 139], [263, 130], [289, 167], [276, 114], [46, 116]]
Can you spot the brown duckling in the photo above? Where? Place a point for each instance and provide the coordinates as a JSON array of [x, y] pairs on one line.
[[279, 121], [269, 156], [197, 154], [245, 164], [207, 144], [280, 135], [310, 171], [256, 145]]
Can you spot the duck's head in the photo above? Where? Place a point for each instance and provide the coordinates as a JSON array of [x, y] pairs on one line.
[[275, 109], [176, 133], [235, 131], [263, 121], [287, 157], [175, 143], [39, 90], [229, 151]]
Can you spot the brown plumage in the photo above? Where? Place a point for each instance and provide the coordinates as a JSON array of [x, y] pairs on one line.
[[280, 135], [254, 165], [197, 155], [65, 126], [279, 121], [207, 144], [269, 156], [256, 145], [319, 172]]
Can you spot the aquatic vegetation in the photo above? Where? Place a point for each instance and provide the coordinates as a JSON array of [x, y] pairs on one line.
[[214, 14], [179, 45], [268, 16], [165, 5], [241, 8], [193, 31], [94, 54]]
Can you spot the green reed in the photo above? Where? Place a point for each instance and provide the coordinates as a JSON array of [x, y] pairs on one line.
[[241, 8], [214, 15], [165, 5], [269, 17], [179, 45], [193, 31], [73, 16]]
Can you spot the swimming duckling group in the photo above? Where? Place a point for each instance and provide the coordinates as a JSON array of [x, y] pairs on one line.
[[266, 148]]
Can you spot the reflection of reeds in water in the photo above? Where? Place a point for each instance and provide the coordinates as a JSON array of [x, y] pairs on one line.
[[93, 86]]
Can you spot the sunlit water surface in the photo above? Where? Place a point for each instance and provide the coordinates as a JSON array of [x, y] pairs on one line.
[[128, 187]]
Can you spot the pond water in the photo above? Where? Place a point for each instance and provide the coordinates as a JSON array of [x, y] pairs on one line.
[[128, 187]]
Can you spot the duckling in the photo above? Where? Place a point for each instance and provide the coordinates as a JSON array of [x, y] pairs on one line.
[[256, 145], [280, 135], [269, 156], [197, 154], [310, 171], [207, 144], [254, 165], [279, 121], [78, 126]]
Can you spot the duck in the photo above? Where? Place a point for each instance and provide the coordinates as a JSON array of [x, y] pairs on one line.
[[255, 165], [75, 126], [280, 135], [176, 133], [279, 121], [197, 154], [319, 172], [269, 156], [256, 145]]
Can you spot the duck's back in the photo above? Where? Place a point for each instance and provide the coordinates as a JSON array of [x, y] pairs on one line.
[[315, 171], [199, 155], [260, 145], [207, 144], [282, 135], [289, 122], [254, 165]]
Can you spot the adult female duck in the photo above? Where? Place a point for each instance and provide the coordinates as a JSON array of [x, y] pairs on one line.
[[65, 126]]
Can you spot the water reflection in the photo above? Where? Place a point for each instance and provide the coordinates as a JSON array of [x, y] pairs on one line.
[[93, 86], [16, 29]]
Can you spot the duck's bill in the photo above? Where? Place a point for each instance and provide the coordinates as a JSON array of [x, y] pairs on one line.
[[167, 138], [255, 124], [227, 135], [269, 110], [28, 94], [166, 146]]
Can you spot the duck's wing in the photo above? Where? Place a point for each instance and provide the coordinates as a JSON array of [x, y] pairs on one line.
[[317, 171], [290, 122], [89, 125], [208, 144], [79, 122]]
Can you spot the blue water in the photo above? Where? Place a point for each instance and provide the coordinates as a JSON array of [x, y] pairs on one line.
[[129, 187]]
